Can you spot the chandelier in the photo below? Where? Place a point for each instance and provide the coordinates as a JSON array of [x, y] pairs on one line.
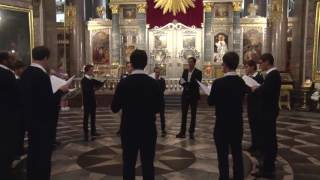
[[174, 6]]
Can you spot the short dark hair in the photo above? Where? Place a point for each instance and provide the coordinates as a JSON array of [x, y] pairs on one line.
[[40, 53], [193, 59], [138, 59], [267, 57], [252, 63], [88, 67], [19, 64], [4, 55], [231, 59]]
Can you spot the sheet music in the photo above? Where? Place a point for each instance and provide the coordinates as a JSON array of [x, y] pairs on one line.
[[249, 81], [204, 88], [56, 82]]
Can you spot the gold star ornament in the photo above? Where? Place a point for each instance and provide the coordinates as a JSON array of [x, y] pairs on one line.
[[174, 6]]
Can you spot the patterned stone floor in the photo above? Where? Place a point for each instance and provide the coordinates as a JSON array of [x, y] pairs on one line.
[[176, 159]]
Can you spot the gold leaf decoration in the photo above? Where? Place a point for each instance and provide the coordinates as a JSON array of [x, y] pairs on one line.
[[174, 6]]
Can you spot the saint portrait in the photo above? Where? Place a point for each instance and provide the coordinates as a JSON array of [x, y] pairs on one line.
[[100, 48], [252, 45], [160, 42], [221, 11], [129, 13], [220, 46], [189, 42]]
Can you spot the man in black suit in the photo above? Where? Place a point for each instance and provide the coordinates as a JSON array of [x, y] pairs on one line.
[[88, 86], [39, 111], [162, 84], [139, 98], [19, 68], [8, 128], [269, 93], [227, 94], [129, 70], [254, 107], [190, 97]]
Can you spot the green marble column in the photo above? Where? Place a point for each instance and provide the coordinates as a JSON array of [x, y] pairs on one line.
[[115, 35], [141, 20], [236, 28], [208, 32]]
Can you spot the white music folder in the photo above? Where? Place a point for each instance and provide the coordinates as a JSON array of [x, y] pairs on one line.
[[204, 88], [249, 81]]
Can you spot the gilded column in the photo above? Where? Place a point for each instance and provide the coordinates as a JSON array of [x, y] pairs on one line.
[[141, 20], [115, 34], [279, 32], [236, 28], [77, 27], [208, 31]]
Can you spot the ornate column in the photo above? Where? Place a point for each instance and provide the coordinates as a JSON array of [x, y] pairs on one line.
[[268, 30], [279, 32], [141, 20], [115, 34], [208, 6], [77, 37], [237, 28], [49, 31]]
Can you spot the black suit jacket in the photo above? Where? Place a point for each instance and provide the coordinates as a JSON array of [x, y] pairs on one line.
[[269, 93], [191, 89], [253, 99], [139, 97], [8, 111], [227, 94], [88, 87], [39, 101]]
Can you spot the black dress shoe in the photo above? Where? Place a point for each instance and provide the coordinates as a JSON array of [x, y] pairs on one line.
[[95, 134], [86, 138], [163, 134], [191, 136], [56, 143], [118, 133], [180, 135], [261, 174]]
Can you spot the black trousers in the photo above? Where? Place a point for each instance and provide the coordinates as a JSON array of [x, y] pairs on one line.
[[146, 147], [162, 118], [21, 134], [185, 103], [89, 111], [222, 144], [39, 153], [270, 147], [255, 128], [56, 123]]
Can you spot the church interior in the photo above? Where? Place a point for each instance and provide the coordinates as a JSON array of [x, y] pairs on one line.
[[104, 33]]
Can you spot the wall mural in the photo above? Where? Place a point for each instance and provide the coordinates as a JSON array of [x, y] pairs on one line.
[[100, 48], [18, 41], [252, 44]]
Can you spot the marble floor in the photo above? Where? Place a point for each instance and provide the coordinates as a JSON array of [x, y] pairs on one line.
[[182, 159]]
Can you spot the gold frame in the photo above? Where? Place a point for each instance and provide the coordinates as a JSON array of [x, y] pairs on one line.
[[30, 17], [316, 48]]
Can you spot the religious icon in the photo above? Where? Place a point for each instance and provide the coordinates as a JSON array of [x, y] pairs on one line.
[[221, 11], [220, 46], [129, 13], [100, 52], [252, 45], [160, 42], [189, 42]]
